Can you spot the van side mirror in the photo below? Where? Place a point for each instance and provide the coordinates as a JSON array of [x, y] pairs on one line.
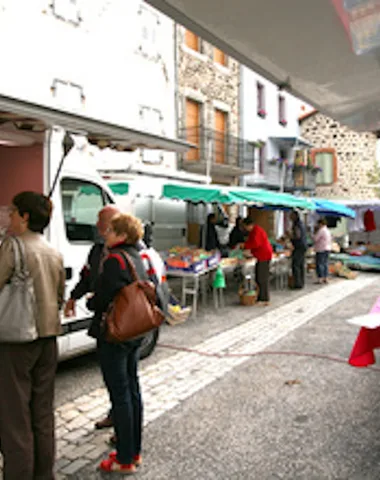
[[69, 273]]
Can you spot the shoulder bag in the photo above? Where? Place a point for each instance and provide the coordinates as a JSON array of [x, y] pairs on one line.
[[18, 310], [133, 313]]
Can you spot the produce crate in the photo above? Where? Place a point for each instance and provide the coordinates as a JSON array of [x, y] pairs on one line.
[[196, 267], [213, 260]]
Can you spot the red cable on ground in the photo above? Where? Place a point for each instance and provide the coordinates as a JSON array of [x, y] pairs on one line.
[[255, 354]]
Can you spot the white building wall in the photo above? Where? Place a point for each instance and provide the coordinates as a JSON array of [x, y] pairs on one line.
[[255, 128], [106, 59]]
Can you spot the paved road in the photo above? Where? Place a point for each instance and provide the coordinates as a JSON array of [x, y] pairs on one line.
[[261, 417], [76, 376]]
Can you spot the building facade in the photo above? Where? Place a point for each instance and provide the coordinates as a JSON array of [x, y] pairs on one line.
[[106, 59], [208, 108], [346, 158], [269, 122]]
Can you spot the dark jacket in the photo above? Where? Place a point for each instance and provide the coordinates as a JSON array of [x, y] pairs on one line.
[[114, 276], [89, 273], [236, 237], [212, 239], [299, 239]]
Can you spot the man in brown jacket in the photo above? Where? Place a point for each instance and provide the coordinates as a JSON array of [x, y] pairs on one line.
[[27, 370]]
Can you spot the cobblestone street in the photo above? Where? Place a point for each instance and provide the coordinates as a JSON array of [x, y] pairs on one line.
[[172, 380]]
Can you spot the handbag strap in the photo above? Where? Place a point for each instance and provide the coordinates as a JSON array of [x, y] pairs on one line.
[[130, 263], [16, 255], [21, 265]]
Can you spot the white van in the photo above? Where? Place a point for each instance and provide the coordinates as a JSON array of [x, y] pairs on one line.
[[78, 195]]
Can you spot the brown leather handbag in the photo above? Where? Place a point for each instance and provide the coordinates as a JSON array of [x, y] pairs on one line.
[[133, 312]]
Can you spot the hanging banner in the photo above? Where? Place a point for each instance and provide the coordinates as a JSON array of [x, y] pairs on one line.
[[361, 20]]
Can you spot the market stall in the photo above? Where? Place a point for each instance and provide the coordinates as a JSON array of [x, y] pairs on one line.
[[195, 265]]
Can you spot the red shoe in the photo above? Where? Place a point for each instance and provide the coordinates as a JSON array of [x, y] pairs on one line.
[[112, 465], [137, 459]]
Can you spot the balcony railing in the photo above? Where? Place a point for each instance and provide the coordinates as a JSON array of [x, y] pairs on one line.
[[219, 148], [293, 178]]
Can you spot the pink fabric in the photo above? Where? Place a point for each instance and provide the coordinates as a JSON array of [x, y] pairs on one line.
[[322, 240], [376, 307]]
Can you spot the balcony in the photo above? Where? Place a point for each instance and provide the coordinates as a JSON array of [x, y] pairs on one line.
[[302, 179], [218, 154]]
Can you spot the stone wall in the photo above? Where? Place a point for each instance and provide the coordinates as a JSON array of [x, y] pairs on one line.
[[356, 156], [203, 80]]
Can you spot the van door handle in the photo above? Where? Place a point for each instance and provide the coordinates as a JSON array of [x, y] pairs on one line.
[[69, 273]]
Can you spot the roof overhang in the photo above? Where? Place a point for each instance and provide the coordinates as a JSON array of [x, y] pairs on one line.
[[32, 118], [291, 142], [300, 45]]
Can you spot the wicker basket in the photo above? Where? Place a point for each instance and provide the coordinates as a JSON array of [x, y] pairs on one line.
[[247, 298], [175, 318]]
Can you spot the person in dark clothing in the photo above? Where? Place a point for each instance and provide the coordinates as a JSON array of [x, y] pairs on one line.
[[119, 361], [89, 275], [299, 242], [238, 234], [148, 235], [90, 271], [212, 240], [259, 246]]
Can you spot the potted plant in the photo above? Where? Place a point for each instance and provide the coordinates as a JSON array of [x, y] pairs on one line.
[[283, 122]]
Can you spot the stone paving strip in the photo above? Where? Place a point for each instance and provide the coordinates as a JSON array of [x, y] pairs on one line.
[[179, 376]]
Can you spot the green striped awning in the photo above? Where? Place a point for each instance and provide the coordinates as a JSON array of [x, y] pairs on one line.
[[119, 188]]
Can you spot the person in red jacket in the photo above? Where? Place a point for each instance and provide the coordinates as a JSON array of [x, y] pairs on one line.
[[259, 246]]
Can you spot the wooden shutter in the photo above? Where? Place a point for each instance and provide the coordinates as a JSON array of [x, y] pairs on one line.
[[192, 40], [193, 111], [220, 136], [220, 57]]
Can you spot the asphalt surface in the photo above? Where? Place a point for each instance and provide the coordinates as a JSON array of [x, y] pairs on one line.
[[76, 376], [273, 417]]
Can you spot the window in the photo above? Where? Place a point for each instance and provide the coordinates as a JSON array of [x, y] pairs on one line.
[[261, 112], [221, 123], [325, 159], [283, 154], [81, 202], [220, 57], [249, 156], [149, 46], [282, 111], [69, 95], [67, 10], [262, 154], [192, 41], [193, 127]]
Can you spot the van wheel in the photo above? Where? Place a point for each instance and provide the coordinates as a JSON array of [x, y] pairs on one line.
[[149, 343]]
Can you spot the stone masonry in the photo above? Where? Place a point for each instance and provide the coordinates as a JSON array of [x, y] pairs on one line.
[[201, 79], [355, 151]]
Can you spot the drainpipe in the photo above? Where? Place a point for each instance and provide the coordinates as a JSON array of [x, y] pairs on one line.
[[242, 180], [176, 96]]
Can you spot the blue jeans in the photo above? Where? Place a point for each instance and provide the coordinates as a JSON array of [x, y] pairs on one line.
[[118, 363], [322, 264]]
